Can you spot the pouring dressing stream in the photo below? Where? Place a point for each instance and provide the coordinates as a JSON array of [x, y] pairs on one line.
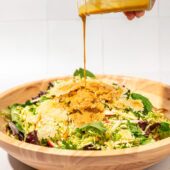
[[88, 7]]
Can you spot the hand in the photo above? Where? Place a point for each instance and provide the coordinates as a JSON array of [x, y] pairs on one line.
[[138, 14], [132, 15]]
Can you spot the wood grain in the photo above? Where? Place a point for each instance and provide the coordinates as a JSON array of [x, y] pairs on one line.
[[52, 159]]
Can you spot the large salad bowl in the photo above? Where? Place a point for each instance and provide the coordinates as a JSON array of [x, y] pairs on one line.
[[41, 157]]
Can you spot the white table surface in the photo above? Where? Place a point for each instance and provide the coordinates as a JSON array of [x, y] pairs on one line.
[[9, 163]]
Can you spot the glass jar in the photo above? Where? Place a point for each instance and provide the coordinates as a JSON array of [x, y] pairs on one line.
[[88, 7]]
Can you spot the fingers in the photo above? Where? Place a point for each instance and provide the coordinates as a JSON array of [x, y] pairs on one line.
[[132, 15], [139, 14]]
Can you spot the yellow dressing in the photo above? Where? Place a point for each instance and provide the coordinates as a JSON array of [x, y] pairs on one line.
[[106, 6], [84, 45]]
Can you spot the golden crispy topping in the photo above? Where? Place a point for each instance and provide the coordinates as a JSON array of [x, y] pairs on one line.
[[85, 104]]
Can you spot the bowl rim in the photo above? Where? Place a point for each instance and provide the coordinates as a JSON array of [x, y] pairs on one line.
[[4, 139]]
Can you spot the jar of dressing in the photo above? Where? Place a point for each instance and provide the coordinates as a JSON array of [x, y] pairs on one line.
[[88, 7]]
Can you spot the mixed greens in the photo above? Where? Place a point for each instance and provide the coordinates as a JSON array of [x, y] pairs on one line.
[[99, 116]]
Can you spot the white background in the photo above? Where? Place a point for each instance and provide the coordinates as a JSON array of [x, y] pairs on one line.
[[43, 38]]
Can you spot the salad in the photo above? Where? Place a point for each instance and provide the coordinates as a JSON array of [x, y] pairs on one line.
[[100, 115]]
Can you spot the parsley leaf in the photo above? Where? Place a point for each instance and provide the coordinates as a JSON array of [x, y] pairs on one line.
[[80, 72]]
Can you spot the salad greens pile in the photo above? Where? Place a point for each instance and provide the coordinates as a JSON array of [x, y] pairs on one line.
[[98, 116]]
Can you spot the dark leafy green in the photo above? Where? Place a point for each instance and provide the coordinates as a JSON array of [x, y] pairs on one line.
[[44, 142], [164, 130], [27, 103], [68, 145], [95, 125], [142, 140], [135, 129], [164, 126]]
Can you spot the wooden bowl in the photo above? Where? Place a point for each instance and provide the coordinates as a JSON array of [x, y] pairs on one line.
[[49, 158]]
